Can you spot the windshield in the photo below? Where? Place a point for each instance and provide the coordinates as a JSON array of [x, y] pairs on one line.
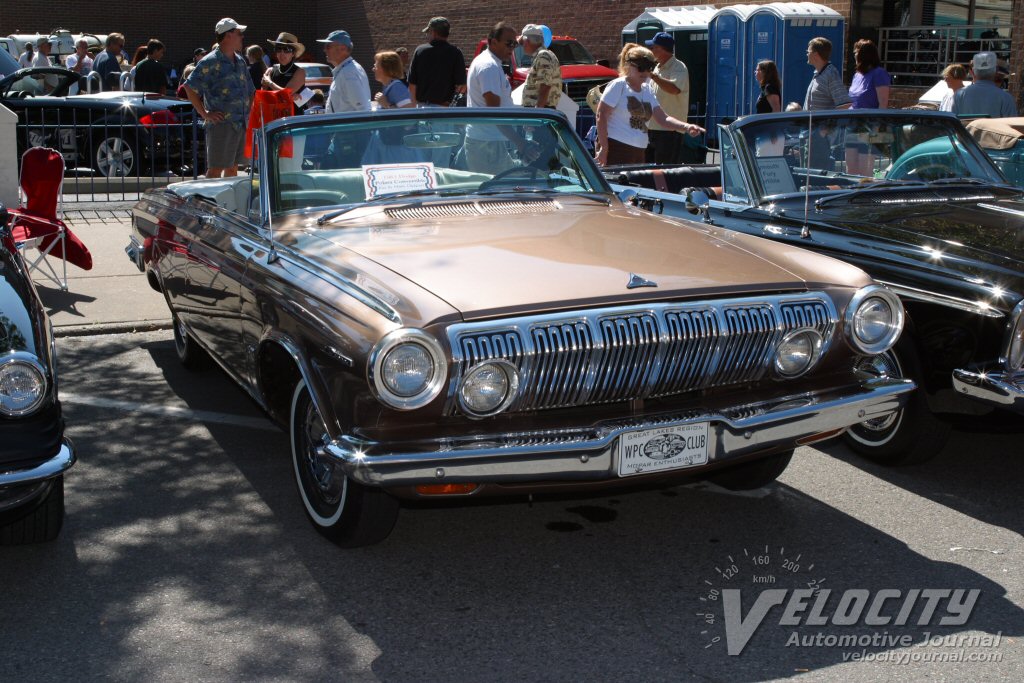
[[341, 163], [567, 51], [838, 153]]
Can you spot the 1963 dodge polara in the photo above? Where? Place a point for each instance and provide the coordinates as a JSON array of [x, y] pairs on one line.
[[443, 303]]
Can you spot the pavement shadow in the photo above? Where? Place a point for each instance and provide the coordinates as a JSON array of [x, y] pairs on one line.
[[607, 587], [187, 555], [56, 301], [978, 474]]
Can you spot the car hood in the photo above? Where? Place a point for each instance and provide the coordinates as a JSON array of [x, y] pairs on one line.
[[578, 255], [985, 236], [19, 306]]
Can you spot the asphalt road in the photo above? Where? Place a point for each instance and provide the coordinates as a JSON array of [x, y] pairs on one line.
[[186, 556]]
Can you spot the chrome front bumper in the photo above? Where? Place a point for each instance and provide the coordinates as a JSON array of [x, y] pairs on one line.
[[54, 467], [590, 454], [1000, 388]]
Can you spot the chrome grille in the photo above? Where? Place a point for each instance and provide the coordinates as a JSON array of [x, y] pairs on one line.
[[609, 355]]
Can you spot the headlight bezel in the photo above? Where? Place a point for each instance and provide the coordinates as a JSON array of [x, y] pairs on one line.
[[511, 373], [817, 343], [864, 296], [431, 388], [1014, 329], [26, 359]]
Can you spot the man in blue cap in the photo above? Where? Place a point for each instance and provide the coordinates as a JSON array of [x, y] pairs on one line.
[[350, 89], [670, 82]]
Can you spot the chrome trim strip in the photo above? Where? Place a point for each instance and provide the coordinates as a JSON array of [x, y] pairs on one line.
[[54, 467], [943, 300], [589, 453], [1002, 209], [1002, 389], [658, 349], [1016, 317], [344, 284]]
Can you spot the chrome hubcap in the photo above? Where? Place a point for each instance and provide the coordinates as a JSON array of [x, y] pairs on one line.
[[884, 365], [329, 483]]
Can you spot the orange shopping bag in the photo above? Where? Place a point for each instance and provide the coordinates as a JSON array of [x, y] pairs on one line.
[[267, 106]]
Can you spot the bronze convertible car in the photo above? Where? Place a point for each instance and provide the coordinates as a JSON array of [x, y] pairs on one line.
[[454, 303]]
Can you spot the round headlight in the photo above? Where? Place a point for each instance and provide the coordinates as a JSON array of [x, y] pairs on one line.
[[1015, 346], [22, 384], [874, 320], [407, 369], [488, 388], [797, 353]]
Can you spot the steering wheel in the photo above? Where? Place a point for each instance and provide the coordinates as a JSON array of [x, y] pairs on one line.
[[506, 177], [925, 172]]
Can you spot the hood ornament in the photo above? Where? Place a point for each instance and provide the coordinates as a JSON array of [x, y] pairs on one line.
[[637, 281]]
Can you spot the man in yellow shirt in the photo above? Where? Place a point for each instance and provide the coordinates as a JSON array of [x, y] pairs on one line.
[[670, 82]]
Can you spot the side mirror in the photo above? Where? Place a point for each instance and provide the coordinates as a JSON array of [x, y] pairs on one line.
[[605, 63], [629, 196], [697, 202]]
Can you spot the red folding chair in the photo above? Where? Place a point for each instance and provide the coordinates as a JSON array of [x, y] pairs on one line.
[[35, 225]]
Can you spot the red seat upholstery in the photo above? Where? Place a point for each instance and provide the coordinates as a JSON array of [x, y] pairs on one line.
[[36, 225]]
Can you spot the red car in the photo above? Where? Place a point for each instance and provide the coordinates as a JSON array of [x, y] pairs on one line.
[[580, 71]]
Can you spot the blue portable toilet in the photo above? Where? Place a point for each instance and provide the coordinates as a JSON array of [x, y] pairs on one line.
[[726, 64], [780, 31], [689, 26]]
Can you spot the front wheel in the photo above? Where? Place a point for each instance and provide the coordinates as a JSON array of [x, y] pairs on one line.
[[753, 475], [345, 512], [39, 521], [189, 353], [909, 436]]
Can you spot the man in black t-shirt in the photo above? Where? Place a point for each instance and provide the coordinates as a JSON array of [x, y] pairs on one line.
[[150, 75], [438, 69]]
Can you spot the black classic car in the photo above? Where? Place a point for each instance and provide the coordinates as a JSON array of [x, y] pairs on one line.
[[115, 134], [34, 453], [909, 197], [452, 302]]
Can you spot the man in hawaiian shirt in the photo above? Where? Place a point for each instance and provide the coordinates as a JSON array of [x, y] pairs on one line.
[[221, 90], [544, 82]]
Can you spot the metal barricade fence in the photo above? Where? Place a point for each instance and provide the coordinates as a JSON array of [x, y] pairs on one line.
[[116, 153]]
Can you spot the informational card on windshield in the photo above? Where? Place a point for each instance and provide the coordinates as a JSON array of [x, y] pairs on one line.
[[775, 175], [381, 179], [663, 448]]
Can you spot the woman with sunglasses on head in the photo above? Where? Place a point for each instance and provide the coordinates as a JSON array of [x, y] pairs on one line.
[[627, 104], [286, 73]]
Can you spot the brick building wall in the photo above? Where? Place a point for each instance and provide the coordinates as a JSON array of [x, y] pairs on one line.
[[1017, 55]]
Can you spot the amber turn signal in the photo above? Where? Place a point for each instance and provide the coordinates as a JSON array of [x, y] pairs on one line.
[[446, 489]]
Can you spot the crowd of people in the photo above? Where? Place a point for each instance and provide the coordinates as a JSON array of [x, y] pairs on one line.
[[641, 116]]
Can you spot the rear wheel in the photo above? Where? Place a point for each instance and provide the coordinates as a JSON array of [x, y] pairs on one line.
[[347, 513], [753, 475], [38, 521], [189, 353], [114, 157], [908, 436]]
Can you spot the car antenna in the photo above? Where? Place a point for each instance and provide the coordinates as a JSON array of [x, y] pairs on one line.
[[272, 255], [805, 230]]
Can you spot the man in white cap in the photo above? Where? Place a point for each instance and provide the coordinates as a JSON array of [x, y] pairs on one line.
[[984, 97], [221, 90], [544, 81], [42, 59]]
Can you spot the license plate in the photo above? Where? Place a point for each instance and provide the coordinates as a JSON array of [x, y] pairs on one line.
[[663, 448]]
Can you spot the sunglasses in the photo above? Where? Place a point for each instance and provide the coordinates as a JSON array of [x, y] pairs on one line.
[[284, 48], [643, 67]]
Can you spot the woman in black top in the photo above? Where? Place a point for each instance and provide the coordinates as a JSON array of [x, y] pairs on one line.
[[286, 73], [767, 74]]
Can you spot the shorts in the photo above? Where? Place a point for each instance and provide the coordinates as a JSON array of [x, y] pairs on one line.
[[225, 145]]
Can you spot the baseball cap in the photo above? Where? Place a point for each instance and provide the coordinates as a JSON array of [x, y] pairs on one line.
[[44, 40], [339, 37], [662, 39], [438, 23], [199, 51], [984, 63], [228, 24]]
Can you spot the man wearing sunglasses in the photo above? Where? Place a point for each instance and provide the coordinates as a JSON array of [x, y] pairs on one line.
[[488, 86]]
